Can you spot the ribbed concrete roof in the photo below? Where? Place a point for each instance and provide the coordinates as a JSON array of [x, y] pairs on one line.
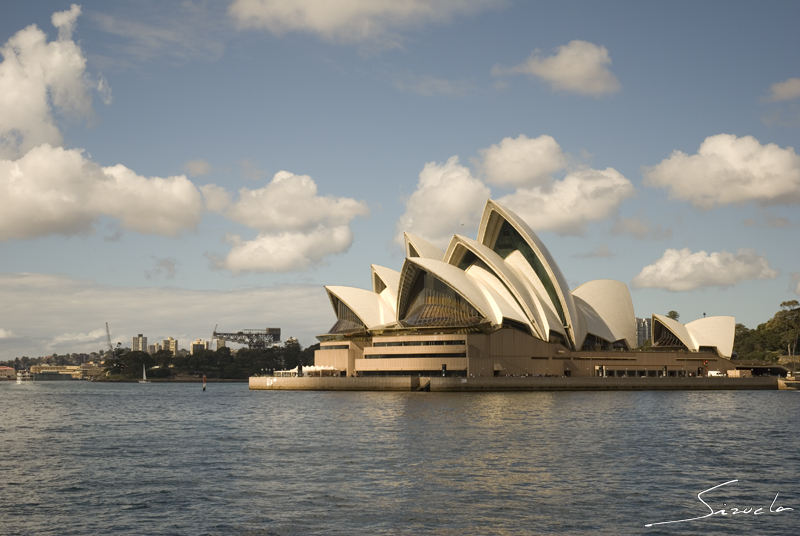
[[611, 300], [367, 305]]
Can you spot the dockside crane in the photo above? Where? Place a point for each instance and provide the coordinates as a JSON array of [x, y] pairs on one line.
[[253, 338]]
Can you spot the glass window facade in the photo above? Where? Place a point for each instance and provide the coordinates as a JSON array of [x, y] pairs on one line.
[[433, 303], [348, 321]]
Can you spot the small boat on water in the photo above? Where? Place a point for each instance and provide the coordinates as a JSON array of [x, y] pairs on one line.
[[24, 377], [144, 376]]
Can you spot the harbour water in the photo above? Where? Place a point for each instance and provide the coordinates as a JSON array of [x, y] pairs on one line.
[[94, 458]]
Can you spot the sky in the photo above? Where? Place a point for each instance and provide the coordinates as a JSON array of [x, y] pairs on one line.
[[169, 167]]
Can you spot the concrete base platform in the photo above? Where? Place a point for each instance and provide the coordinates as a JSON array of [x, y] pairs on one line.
[[439, 384]]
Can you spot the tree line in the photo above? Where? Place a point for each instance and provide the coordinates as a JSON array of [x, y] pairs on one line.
[[778, 336], [221, 363]]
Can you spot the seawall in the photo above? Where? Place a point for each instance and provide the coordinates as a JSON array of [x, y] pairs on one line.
[[439, 384]]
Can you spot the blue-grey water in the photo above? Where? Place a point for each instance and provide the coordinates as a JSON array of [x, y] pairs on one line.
[[95, 458]]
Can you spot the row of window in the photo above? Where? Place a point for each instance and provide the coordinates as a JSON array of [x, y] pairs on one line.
[[422, 343], [411, 356]]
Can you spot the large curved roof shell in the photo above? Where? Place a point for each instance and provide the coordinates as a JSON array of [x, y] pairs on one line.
[[519, 291], [419, 247], [494, 216], [590, 321], [675, 328], [368, 306], [456, 279], [611, 301], [715, 332], [718, 331], [503, 303], [553, 323], [385, 282]]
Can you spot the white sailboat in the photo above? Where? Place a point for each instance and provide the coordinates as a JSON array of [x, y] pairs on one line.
[[144, 376]]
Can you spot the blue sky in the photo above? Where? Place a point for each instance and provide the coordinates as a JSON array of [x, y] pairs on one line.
[[166, 167]]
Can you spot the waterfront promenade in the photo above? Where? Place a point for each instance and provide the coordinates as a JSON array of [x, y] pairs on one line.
[[440, 384]]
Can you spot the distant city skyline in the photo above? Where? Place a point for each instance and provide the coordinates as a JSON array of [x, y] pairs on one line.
[[166, 168]]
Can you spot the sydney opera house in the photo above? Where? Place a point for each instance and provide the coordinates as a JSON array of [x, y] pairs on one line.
[[500, 306]]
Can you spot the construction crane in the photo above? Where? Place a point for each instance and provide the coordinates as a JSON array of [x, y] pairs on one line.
[[253, 338], [108, 339]]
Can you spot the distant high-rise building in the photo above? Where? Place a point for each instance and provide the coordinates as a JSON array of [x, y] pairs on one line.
[[198, 345], [153, 348], [171, 345], [644, 330], [139, 343], [220, 343]]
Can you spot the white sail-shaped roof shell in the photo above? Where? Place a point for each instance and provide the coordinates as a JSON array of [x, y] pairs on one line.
[[611, 302], [385, 282], [419, 247], [718, 331], [479, 296], [491, 222], [368, 306], [714, 332], [521, 293]]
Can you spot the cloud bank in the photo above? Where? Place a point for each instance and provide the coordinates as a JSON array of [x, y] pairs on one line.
[[297, 228], [682, 270], [36, 76], [583, 197], [522, 162], [730, 170], [54, 313], [47, 189], [578, 67], [348, 21], [449, 199]]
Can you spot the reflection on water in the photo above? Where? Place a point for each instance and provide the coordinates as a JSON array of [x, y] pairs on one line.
[[89, 458]]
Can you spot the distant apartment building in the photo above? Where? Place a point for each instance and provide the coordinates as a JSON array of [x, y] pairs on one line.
[[139, 343], [171, 345], [198, 345], [644, 330], [153, 348], [220, 343]]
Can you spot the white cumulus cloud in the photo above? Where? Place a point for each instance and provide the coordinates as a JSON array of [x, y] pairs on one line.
[[786, 90], [349, 20], [448, 200], [51, 190], [287, 251], [297, 228], [6, 333], [34, 77], [579, 66], [522, 162], [582, 197], [47, 189], [730, 170], [681, 270]]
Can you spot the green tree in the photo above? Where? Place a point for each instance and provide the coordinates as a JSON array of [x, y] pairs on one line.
[[786, 323], [675, 315]]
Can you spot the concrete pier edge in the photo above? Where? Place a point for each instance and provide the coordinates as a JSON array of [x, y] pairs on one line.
[[456, 384]]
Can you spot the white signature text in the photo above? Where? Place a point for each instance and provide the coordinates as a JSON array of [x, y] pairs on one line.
[[728, 511]]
